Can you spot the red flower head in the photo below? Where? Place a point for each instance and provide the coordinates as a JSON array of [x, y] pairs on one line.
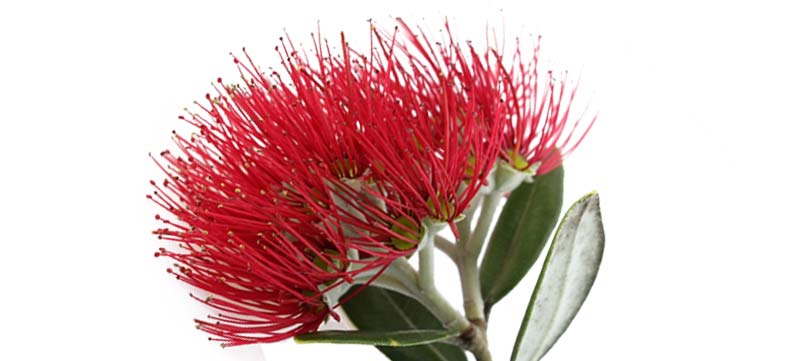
[[262, 197], [541, 132], [433, 152], [534, 110]]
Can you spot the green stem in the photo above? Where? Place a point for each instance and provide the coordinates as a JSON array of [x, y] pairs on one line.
[[468, 260], [475, 339], [449, 248], [480, 346], [426, 266], [470, 287], [465, 225], [435, 301], [487, 210]]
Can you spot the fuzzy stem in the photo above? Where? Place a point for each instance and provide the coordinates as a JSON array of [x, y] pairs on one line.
[[487, 211], [426, 266], [438, 304], [480, 347], [468, 260], [465, 225], [470, 287], [449, 248], [475, 339]]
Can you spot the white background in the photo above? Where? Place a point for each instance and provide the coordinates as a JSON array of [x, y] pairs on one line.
[[692, 155]]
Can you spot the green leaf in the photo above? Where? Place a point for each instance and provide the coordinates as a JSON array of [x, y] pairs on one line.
[[526, 222], [377, 338], [378, 309], [568, 274]]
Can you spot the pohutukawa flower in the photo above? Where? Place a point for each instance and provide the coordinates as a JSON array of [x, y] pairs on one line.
[[261, 204], [435, 151], [542, 131], [535, 109]]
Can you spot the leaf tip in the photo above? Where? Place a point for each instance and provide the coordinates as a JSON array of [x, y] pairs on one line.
[[304, 338], [592, 194], [590, 199]]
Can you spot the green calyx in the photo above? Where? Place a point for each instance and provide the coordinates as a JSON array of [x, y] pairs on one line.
[[333, 256], [409, 233], [510, 173], [445, 210], [517, 160], [469, 169]]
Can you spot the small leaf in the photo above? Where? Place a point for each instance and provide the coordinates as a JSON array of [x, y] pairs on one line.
[[568, 274], [526, 222], [377, 338], [378, 309]]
